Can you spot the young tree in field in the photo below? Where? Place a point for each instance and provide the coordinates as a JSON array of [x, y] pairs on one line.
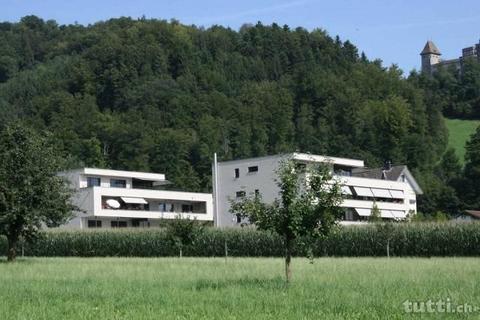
[[375, 216], [308, 206], [31, 193], [183, 232], [385, 231]]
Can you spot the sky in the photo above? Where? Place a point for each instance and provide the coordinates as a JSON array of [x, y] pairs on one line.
[[394, 31]]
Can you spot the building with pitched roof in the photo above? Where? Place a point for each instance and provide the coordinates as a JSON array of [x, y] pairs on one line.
[[392, 189], [431, 57]]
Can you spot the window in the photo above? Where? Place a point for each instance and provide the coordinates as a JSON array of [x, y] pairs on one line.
[[257, 192], [413, 201], [300, 167], [118, 183], [253, 169], [118, 224], [94, 223], [239, 218], [162, 207], [240, 194], [166, 207], [187, 208], [93, 182], [348, 215], [237, 173], [140, 223]]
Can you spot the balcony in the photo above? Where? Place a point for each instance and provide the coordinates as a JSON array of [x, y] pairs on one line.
[[151, 204]]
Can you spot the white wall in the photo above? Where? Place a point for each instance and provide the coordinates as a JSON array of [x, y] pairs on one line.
[[264, 181], [99, 192], [228, 185], [89, 200]]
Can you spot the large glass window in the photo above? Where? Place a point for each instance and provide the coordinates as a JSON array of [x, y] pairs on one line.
[[93, 182], [118, 183]]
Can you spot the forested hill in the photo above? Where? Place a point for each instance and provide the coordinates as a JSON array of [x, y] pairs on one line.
[[160, 96], [456, 91]]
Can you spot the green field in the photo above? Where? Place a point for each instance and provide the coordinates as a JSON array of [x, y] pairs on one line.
[[459, 132], [240, 288]]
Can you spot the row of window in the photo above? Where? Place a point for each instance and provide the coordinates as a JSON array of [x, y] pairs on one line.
[[251, 169], [119, 224], [113, 224], [170, 207], [114, 183]]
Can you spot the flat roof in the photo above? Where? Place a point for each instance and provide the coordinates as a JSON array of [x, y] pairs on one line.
[[334, 160], [305, 157], [149, 176]]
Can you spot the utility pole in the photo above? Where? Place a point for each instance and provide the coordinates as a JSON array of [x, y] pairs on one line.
[[215, 189]]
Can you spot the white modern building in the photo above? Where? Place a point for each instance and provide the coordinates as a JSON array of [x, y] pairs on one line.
[[392, 189], [113, 198]]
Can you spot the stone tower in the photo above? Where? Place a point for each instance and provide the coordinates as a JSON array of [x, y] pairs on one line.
[[430, 57]]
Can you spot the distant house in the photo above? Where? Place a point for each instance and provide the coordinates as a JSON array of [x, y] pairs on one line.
[[469, 215], [392, 188], [115, 199]]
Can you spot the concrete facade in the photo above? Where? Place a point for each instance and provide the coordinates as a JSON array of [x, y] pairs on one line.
[[395, 198], [142, 202]]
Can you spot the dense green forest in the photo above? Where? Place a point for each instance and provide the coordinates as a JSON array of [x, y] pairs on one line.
[[160, 96], [455, 91]]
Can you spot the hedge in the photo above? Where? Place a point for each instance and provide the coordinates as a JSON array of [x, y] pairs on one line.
[[406, 239]]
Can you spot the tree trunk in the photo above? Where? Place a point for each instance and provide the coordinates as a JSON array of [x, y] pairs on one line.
[[388, 248], [288, 260], [181, 252], [12, 249], [226, 251]]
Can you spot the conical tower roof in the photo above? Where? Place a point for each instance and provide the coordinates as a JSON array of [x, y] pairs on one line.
[[430, 48]]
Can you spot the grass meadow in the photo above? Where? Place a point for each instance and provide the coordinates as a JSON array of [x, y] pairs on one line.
[[239, 288], [459, 132]]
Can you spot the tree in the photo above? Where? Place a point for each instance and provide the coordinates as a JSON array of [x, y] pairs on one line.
[[153, 95], [471, 187], [183, 232], [375, 216], [385, 232], [32, 195], [449, 167], [309, 206]]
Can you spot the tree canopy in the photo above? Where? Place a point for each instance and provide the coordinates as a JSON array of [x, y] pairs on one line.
[[160, 96], [32, 195], [455, 90], [309, 206], [471, 186]]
